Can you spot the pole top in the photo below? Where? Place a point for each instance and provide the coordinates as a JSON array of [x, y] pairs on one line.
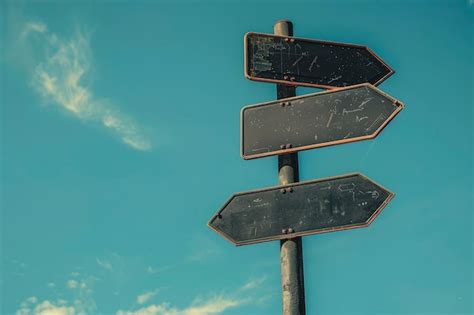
[[283, 27]]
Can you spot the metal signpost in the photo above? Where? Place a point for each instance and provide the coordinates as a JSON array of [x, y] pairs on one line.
[[352, 110]]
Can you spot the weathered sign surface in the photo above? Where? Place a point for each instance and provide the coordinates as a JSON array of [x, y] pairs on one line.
[[297, 61], [324, 205], [338, 116]]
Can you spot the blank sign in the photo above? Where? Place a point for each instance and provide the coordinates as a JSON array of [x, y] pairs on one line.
[[325, 205], [297, 61], [315, 120]]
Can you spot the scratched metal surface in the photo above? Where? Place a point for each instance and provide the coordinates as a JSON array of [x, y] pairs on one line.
[[311, 62], [315, 120], [313, 207]]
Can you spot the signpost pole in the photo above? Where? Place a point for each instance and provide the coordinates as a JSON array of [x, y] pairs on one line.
[[291, 250]]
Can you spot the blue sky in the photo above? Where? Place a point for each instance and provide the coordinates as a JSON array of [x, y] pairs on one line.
[[120, 139]]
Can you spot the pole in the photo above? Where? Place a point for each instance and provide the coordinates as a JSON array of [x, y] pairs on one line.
[[291, 250]]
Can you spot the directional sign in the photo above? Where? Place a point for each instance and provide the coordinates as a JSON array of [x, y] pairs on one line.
[[338, 116], [306, 62], [325, 205]]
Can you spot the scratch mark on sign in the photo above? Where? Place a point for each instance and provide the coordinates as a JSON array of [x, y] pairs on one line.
[[359, 108], [265, 204], [375, 194], [365, 102], [345, 111], [361, 118], [313, 63], [329, 121], [297, 60], [346, 187], [379, 117], [334, 79]]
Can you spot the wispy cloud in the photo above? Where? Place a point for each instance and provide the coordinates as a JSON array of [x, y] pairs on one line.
[[145, 297], [33, 27], [81, 303], [253, 283], [202, 248], [105, 264], [60, 76], [72, 284], [214, 305], [79, 298], [202, 254], [152, 270], [46, 308], [149, 310]]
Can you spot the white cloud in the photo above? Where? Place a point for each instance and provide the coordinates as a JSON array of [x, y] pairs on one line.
[[51, 285], [33, 27], [81, 302], [105, 264], [153, 271], [48, 308], [253, 283], [213, 306], [72, 284], [149, 310], [60, 77], [201, 255], [23, 311], [145, 297]]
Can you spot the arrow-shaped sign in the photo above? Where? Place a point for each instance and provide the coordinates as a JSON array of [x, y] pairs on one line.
[[338, 116], [297, 61], [324, 205]]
